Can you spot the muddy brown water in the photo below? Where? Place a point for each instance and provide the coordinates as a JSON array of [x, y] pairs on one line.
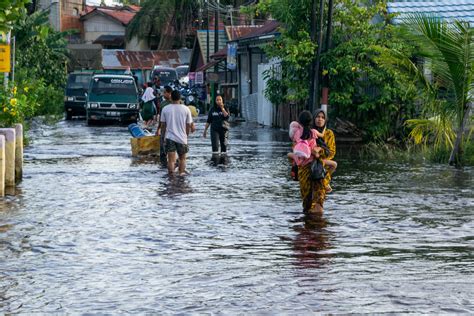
[[92, 229]]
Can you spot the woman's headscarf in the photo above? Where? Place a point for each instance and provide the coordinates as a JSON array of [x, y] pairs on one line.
[[320, 141], [320, 129], [148, 95]]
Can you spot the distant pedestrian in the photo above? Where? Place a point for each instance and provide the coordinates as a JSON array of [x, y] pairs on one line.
[[176, 125], [164, 102], [148, 109], [218, 120]]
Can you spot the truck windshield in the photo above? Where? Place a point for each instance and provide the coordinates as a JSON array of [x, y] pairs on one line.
[[115, 86], [166, 76], [182, 71], [77, 84]]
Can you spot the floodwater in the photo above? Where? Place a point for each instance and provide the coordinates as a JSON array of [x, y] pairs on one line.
[[92, 229]]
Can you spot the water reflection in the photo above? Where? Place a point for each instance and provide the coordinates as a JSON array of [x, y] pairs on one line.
[[176, 185], [311, 241]]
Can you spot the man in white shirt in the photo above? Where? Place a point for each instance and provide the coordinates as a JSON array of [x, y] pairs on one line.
[[176, 125]]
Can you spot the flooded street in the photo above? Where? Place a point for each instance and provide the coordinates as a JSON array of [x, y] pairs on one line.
[[92, 229]]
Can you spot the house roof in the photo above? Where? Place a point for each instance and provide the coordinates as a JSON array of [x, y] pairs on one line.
[[234, 32], [445, 9], [269, 28], [202, 40], [122, 15], [122, 59]]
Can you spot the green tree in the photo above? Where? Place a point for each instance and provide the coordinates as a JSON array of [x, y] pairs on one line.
[[34, 34], [10, 11], [377, 98], [168, 21], [448, 51]]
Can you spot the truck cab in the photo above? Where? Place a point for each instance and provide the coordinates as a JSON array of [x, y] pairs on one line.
[[112, 97], [74, 97], [168, 76]]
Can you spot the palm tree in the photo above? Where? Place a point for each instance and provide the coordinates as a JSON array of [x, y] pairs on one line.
[[169, 21], [448, 48]]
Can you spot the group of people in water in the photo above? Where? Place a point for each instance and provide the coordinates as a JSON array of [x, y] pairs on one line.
[[175, 124], [312, 140]]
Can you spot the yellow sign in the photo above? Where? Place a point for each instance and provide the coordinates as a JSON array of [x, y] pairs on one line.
[[4, 58]]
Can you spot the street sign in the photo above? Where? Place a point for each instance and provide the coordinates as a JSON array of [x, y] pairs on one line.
[[4, 58], [199, 77]]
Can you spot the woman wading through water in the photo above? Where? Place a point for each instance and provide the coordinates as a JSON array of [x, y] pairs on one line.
[[313, 193]]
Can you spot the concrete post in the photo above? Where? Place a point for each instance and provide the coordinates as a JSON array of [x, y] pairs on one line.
[[9, 134], [19, 152], [2, 165]]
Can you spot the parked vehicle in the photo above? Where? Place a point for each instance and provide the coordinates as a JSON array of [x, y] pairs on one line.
[[74, 98], [183, 75], [112, 97], [168, 76]]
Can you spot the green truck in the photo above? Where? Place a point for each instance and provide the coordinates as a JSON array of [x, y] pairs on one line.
[[112, 97], [74, 97]]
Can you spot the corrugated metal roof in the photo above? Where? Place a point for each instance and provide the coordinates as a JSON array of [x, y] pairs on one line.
[[202, 38], [122, 59], [234, 32], [445, 9]]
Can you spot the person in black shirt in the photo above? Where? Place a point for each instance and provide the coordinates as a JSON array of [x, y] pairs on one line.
[[218, 119]]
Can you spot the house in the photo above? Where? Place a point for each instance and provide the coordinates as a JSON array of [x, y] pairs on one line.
[[107, 26], [252, 62], [65, 15]]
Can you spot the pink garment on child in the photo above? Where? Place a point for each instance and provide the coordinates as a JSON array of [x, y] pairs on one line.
[[303, 147]]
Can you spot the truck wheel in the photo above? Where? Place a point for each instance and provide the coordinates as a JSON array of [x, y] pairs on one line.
[[68, 116]]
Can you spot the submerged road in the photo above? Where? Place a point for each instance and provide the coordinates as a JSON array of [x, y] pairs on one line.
[[92, 229]]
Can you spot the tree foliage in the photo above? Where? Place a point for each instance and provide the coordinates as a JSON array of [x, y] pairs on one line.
[[377, 98], [33, 35], [448, 51], [170, 22], [10, 11]]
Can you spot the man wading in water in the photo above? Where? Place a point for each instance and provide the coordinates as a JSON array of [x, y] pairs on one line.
[[176, 125]]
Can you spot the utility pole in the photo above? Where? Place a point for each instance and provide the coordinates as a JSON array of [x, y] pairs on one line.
[[318, 56], [216, 48], [312, 66], [207, 31], [325, 84]]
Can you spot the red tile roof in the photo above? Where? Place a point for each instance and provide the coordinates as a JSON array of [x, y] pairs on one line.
[[121, 14]]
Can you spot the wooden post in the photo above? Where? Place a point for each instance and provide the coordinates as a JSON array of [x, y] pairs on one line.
[[9, 134], [2, 165], [19, 152]]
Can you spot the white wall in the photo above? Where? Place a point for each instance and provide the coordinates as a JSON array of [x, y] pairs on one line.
[[54, 13], [99, 25], [265, 107], [136, 44]]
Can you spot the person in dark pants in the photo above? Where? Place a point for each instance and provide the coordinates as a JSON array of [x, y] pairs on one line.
[[218, 119], [166, 101]]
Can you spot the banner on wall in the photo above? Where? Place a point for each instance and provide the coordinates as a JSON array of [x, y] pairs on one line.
[[231, 56]]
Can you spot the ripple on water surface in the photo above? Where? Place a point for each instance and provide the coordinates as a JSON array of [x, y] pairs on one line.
[[93, 230]]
